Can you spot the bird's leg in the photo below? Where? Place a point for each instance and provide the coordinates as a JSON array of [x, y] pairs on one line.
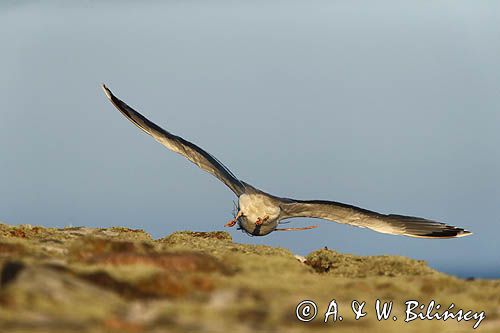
[[261, 221], [297, 229], [233, 221]]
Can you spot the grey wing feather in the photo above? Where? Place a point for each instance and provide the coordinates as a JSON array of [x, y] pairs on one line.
[[389, 224], [177, 144]]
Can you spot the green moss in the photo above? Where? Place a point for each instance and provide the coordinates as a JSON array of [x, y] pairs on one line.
[[120, 279], [345, 265]]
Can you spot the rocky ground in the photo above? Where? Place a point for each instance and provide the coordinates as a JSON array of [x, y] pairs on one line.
[[122, 280]]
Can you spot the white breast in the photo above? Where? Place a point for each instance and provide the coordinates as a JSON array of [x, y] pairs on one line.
[[254, 206]]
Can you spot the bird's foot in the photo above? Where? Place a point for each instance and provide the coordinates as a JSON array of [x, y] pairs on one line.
[[297, 229], [261, 221], [230, 223], [233, 221]]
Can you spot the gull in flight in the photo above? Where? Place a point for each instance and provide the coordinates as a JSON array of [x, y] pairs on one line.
[[260, 213]]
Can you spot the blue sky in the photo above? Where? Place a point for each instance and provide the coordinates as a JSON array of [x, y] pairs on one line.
[[392, 106]]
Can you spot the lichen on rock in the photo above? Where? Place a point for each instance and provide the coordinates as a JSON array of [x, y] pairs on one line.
[[121, 280]]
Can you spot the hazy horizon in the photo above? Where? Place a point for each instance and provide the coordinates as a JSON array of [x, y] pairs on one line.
[[390, 106]]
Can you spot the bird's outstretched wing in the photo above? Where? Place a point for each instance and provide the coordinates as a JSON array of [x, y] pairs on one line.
[[389, 224], [177, 144]]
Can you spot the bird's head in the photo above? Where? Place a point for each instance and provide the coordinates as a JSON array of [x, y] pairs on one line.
[[256, 230]]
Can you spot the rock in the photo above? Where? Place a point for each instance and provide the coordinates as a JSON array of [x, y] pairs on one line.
[[54, 294], [345, 265], [118, 279]]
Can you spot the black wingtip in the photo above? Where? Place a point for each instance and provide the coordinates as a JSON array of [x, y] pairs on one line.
[[449, 232], [108, 93]]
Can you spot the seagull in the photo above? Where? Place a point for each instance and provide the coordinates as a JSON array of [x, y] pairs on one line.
[[259, 213]]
